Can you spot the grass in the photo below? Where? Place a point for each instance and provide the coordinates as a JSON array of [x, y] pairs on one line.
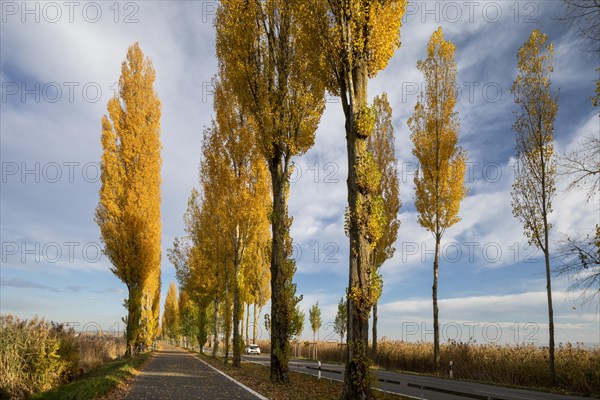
[[301, 387], [99, 382]]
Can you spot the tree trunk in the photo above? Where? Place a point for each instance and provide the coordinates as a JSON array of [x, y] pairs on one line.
[[227, 345], [436, 326], [216, 329], [247, 322], [237, 357], [550, 317], [374, 339], [552, 370], [227, 317], [280, 304], [242, 323], [356, 378], [255, 326], [134, 302]]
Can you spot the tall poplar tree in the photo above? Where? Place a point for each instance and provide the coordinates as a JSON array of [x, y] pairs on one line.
[[350, 41], [439, 183], [261, 57], [128, 212], [314, 317], [535, 170], [171, 314], [381, 145]]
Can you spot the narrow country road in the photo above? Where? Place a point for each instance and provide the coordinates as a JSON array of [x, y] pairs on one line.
[[176, 374]]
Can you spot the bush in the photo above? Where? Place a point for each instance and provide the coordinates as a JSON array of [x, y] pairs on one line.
[[36, 355]]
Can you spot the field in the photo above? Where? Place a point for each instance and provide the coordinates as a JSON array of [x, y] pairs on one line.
[[578, 369]]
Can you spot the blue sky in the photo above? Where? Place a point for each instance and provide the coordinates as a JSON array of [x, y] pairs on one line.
[[59, 64]]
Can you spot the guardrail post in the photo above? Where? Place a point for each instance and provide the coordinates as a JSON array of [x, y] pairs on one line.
[[451, 372], [319, 370]]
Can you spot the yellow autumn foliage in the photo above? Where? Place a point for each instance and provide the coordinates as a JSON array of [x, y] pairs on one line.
[[128, 212]]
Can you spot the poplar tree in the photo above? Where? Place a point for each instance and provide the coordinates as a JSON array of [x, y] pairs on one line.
[[535, 169], [314, 317], [350, 41], [341, 320], [128, 212], [439, 182], [381, 145], [171, 314], [261, 57]]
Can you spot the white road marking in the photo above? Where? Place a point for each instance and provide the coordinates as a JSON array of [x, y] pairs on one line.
[[504, 395], [260, 396]]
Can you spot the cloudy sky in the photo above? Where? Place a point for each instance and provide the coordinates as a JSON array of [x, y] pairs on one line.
[[59, 64]]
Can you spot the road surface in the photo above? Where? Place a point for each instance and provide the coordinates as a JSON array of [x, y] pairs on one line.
[[422, 387], [177, 374]]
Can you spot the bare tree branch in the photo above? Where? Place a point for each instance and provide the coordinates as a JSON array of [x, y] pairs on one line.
[[583, 16], [582, 166], [580, 264]]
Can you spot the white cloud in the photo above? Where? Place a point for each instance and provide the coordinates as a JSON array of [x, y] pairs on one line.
[[479, 316]]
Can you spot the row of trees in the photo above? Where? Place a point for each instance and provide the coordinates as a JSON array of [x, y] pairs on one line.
[[223, 261], [185, 322], [276, 60], [280, 57]]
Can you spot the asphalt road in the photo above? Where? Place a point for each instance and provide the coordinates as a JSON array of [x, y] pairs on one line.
[[176, 374], [422, 387]]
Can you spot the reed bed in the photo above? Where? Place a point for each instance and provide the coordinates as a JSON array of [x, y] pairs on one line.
[[37, 355], [577, 367]]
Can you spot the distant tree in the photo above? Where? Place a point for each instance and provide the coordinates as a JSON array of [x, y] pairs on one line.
[[314, 316], [439, 183], [381, 145], [128, 212], [341, 319], [259, 278], [171, 313], [535, 169], [297, 323], [189, 319], [197, 259]]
